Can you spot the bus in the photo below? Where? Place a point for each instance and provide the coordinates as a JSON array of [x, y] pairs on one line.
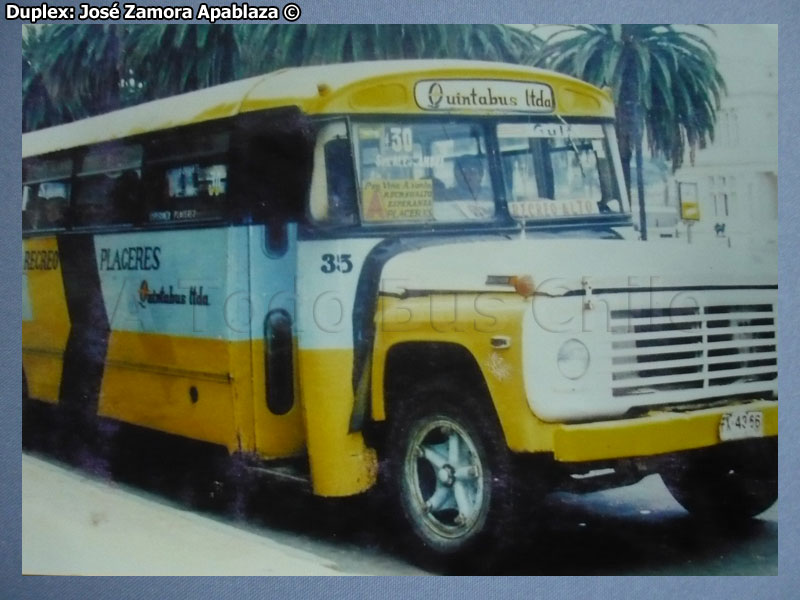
[[418, 275]]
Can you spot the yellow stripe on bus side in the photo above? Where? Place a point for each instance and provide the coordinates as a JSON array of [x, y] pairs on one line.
[[148, 379], [44, 337], [43, 374]]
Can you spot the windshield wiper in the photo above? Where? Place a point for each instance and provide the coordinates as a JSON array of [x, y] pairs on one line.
[[571, 142]]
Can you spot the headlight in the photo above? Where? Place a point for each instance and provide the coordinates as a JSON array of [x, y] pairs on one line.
[[573, 359]]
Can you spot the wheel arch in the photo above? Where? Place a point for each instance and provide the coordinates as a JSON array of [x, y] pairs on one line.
[[416, 364]]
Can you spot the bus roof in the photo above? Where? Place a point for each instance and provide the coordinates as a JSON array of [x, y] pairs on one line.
[[349, 88]]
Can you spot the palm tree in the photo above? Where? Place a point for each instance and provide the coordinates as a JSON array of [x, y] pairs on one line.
[[38, 107], [265, 48], [92, 69], [664, 80], [171, 59], [77, 68]]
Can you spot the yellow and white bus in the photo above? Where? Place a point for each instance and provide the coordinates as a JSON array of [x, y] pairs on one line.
[[418, 271]]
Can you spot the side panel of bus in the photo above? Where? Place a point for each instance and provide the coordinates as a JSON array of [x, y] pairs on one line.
[[186, 352], [45, 319], [170, 360], [166, 330]]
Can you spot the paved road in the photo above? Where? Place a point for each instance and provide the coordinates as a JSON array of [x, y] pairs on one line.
[[633, 530], [640, 529]]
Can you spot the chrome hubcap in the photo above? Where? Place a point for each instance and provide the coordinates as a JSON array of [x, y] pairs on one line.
[[445, 476]]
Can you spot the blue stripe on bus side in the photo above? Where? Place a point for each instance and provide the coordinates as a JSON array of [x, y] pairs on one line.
[[87, 344]]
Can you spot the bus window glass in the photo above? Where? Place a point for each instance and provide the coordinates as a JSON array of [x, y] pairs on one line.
[[190, 179], [108, 186], [423, 173], [45, 169], [44, 205], [333, 198], [45, 193], [196, 180], [557, 170], [341, 182]]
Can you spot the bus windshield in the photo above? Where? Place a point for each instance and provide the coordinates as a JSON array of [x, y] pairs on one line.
[[438, 171], [554, 170]]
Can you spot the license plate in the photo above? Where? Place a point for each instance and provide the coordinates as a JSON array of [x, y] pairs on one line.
[[741, 424]]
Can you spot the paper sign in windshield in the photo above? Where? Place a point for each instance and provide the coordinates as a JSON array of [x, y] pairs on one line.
[[408, 160], [398, 200], [552, 209]]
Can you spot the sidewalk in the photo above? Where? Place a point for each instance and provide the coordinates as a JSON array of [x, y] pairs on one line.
[[74, 525]]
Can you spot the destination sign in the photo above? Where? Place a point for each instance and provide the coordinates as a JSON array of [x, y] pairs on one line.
[[484, 95]]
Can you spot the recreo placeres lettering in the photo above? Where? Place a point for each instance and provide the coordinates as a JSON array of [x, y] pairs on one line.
[[40, 260], [136, 258]]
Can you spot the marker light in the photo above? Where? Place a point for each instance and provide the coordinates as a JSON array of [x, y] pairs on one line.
[[573, 359], [523, 285]]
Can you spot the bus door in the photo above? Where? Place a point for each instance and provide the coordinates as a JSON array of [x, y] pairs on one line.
[[272, 154], [277, 418]]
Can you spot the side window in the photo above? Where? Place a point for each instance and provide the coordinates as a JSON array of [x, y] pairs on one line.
[[279, 361], [188, 180], [333, 191], [45, 193], [108, 186], [426, 172]]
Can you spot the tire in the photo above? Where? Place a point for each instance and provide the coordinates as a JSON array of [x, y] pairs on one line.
[[28, 416], [37, 422], [450, 478], [726, 483]]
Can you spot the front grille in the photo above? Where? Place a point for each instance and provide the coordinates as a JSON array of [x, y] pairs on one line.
[[714, 349]]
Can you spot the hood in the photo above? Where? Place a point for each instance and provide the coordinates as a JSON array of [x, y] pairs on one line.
[[559, 267]]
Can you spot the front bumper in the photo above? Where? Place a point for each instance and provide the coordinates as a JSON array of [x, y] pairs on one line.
[[657, 432]]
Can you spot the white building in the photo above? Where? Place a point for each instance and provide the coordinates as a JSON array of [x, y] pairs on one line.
[[735, 179]]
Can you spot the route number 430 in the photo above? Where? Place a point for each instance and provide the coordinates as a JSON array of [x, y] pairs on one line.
[[336, 262], [401, 139]]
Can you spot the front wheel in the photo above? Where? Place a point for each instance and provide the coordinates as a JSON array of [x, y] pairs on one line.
[[726, 483], [449, 472]]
